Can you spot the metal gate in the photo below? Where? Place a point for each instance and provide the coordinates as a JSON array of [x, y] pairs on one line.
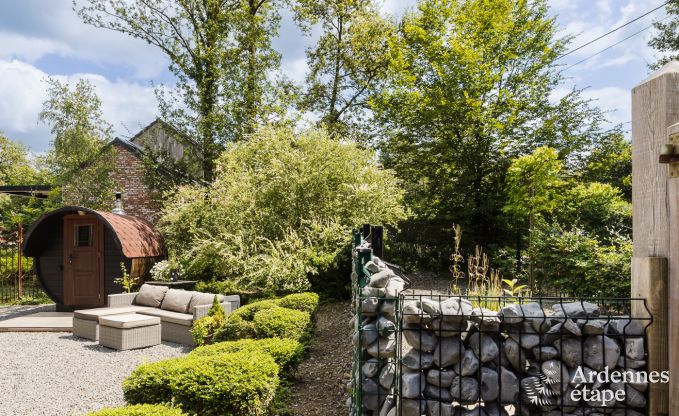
[[18, 280]]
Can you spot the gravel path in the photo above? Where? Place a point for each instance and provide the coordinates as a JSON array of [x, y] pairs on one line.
[[58, 374]]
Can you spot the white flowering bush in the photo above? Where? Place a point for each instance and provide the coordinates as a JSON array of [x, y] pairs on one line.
[[281, 208], [162, 271]]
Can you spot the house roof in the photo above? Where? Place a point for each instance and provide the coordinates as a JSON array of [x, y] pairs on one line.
[[134, 236]]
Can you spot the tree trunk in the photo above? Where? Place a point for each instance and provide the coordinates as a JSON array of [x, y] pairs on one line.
[[332, 105]]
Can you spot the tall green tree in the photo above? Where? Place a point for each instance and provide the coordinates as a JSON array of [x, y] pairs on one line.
[[468, 90], [18, 168], [79, 159], [533, 183], [219, 51], [666, 39], [348, 61]]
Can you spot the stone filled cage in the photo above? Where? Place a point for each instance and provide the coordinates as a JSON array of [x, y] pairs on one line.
[[445, 355]]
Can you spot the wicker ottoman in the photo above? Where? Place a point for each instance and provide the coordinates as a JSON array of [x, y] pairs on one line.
[[129, 331]]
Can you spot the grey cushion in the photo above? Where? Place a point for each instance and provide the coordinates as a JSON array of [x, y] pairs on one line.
[[95, 314], [177, 300], [150, 295], [169, 316], [129, 321], [200, 299]]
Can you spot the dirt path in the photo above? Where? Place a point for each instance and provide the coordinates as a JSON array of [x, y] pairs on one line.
[[320, 387]]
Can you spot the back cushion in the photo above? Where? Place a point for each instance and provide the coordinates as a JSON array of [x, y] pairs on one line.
[[177, 300], [200, 299], [150, 295]]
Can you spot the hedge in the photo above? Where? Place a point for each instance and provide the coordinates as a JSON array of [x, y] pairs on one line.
[[267, 323], [139, 410], [281, 322], [306, 302], [231, 384], [286, 352]]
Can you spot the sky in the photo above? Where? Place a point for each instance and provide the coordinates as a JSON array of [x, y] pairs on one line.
[[45, 38]]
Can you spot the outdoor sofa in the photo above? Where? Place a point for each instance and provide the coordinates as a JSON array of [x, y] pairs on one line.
[[177, 310]]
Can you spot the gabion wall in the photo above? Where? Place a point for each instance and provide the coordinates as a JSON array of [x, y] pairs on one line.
[[453, 356]]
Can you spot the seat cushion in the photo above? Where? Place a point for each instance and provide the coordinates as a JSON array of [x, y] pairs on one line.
[[150, 295], [128, 320], [169, 316], [95, 314], [200, 299]]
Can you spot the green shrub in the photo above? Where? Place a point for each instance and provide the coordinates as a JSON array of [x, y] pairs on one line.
[[232, 384], [311, 181], [576, 263], [306, 302], [139, 410], [286, 352], [282, 322], [204, 328], [235, 328], [247, 312]]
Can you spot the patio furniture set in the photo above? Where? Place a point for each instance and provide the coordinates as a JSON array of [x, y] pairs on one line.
[[145, 318]]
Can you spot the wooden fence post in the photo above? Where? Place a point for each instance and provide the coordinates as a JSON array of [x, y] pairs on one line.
[[655, 107]]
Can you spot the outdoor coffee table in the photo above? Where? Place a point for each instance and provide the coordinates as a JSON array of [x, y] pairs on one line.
[[129, 331]]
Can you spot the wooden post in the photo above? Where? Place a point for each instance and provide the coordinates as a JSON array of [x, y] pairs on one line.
[[655, 107], [650, 283]]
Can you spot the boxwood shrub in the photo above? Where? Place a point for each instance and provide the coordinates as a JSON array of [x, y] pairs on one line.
[[286, 352], [139, 410], [231, 384], [281, 322], [288, 317], [306, 302]]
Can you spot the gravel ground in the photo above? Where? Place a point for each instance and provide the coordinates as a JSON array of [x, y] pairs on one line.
[[59, 374]]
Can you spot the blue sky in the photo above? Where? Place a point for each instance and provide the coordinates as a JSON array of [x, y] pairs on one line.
[[41, 38]]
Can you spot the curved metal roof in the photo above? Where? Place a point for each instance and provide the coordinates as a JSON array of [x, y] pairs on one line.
[[134, 236]]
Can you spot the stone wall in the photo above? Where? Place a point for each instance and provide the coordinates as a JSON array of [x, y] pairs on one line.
[[447, 356]]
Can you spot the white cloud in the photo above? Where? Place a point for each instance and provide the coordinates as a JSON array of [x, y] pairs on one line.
[[616, 101], [33, 29], [125, 104]]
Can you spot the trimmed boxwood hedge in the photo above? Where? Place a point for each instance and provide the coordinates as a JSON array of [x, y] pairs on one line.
[[286, 352], [139, 410], [306, 302], [292, 319], [231, 384], [281, 322]]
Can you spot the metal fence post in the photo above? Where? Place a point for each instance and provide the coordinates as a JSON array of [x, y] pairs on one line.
[[20, 260]]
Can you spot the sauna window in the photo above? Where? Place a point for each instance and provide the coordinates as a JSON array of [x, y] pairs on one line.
[[83, 235]]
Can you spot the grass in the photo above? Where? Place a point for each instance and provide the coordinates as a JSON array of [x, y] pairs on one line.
[[32, 295]]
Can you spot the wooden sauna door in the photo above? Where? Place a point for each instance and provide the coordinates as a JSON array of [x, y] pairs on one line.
[[83, 261]]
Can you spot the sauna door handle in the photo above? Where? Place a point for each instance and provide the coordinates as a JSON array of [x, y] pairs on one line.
[[70, 258]]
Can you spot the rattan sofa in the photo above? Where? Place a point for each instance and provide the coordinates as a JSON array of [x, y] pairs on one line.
[[175, 326]]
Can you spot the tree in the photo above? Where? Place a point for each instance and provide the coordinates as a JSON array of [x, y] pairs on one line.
[[468, 90], [610, 163], [666, 39], [348, 61], [18, 168], [15, 166], [219, 93], [280, 209], [533, 183], [79, 159]]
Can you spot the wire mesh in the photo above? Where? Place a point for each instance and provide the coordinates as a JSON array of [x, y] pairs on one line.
[[449, 355]]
